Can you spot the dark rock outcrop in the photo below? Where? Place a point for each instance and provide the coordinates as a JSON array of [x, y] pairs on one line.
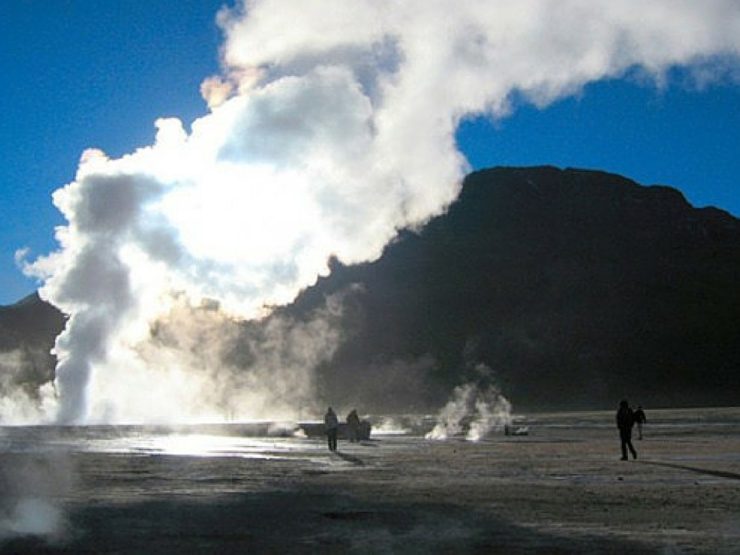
[[27, 332]]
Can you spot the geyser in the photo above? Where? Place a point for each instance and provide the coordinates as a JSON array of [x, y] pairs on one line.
[[330, 129]]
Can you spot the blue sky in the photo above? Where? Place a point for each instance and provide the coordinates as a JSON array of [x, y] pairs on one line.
[[97, 74]]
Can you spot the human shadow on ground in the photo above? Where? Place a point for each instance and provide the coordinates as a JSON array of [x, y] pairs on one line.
[[350, 458], [707, 471]]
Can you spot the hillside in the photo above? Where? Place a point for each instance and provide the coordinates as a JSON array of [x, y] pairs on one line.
[[575, 287], [27, 332]]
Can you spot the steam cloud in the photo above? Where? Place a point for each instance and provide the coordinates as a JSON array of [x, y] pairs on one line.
[[475, 409], [30, 504], [32, 517], [22, 402], [330, 129]]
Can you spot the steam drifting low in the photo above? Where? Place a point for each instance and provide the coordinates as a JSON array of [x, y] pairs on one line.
[[330, 129], [474, 410]]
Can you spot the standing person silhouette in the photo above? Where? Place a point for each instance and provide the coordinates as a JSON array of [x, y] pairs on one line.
[[353, 426], [625, 420], [331, 424], [640, 419]]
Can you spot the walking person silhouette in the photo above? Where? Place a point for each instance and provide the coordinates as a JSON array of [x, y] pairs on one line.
[[331, 423], [625, 421]]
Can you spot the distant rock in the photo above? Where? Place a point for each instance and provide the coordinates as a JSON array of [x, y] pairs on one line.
[[27, 332]]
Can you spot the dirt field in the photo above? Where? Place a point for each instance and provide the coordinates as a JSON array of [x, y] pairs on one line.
[[560, 489]]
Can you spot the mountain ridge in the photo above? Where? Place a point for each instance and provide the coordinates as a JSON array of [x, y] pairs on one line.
[[571, 288], [548, 268]]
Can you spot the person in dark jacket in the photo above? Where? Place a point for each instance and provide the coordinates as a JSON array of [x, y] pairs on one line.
[[625, 421], [353, 426], [331, 424], [640, 419]]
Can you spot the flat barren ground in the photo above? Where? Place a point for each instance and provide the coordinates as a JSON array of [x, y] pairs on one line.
[[559, 489]]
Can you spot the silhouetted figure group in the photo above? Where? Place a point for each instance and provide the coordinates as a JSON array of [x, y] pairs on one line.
[[354, 430], [626, 418]]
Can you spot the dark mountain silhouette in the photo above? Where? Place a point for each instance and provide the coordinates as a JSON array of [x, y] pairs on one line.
[[571, 288], [575, 287], [27, 332]]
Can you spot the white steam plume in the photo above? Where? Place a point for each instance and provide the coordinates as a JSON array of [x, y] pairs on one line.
[[21, 402], [331, 128], [473, 409], [32, 493], [32, 517]]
